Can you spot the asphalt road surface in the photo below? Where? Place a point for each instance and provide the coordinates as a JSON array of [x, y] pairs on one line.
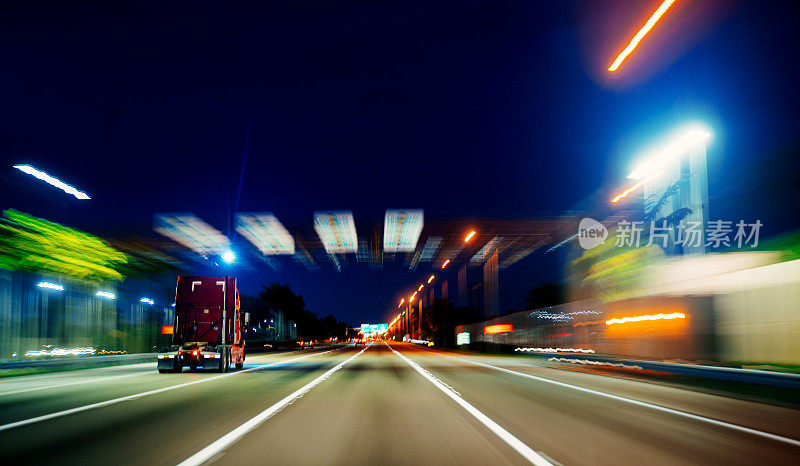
[[395, 404]]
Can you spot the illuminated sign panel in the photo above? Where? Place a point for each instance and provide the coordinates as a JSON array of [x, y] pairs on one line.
[[462, 338], [191, 232], [401, 230], [167, 330], [266, 233], [368, 329], [337, 231]]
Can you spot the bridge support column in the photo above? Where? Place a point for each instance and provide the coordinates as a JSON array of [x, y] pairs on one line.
[[491, 302]]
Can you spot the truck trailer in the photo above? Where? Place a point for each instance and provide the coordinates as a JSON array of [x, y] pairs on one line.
[[207, 331]]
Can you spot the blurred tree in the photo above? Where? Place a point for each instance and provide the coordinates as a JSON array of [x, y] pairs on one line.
[[441, 318], [280, 298], [32, 244]]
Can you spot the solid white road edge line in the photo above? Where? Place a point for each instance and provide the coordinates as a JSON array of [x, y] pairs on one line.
[[676, 412], [527, 452], [231, 437], [101, 404]]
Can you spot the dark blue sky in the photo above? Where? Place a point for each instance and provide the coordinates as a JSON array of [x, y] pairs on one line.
[[485, 108]]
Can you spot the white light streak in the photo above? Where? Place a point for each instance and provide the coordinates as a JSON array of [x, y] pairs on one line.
[[50, 286], [53, 181]]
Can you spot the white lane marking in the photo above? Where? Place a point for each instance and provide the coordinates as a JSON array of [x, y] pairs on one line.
[[231, 437], [35, 389], [696, 417], [101, 404], [68, 373], [527, 452]]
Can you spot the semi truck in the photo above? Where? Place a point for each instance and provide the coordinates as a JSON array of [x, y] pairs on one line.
[[207, 330]]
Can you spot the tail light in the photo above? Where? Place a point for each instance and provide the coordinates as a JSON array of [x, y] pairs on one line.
[[195, 352]]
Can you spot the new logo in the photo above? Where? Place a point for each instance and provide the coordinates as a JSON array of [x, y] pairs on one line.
[[591, 233]]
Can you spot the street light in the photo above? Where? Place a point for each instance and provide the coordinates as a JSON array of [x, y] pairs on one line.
[[469, 236], [401, 302], [106, 294], [431, 278], [682, 140], [640, 35], [420, 287], [445, 263], [147, 301], [53, 181], [50, 286], [656, 162], [228, 257]]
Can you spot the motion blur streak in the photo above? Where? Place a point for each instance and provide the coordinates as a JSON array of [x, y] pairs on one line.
[[53, 181], [555, 350], [498, 328], [640, 35], [633, 188], [506, 436], [215, 448], [588, 362], [135, 396], [777, 438], [674, 315]]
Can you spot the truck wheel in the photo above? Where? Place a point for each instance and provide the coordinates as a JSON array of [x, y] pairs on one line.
[[227, 361], [239, 365]]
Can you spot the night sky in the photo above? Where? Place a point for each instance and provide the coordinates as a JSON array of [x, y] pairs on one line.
[[483, 108]]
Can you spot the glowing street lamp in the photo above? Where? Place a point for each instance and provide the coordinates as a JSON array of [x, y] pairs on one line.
[[445, 263], [50, 286], [420, 287], [657, 161], [106, 294], [430, 279], [147, 301], [52, 180], [640, 35], [469, 236], [228, 257], [401, 302]]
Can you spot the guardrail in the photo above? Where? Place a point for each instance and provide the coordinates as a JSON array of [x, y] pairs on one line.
[[775, 379], [79, 361]]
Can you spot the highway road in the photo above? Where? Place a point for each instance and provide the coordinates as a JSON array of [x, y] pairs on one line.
[[395, 404]]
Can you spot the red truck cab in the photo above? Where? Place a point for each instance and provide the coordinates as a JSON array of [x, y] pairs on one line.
[[207, 331]]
